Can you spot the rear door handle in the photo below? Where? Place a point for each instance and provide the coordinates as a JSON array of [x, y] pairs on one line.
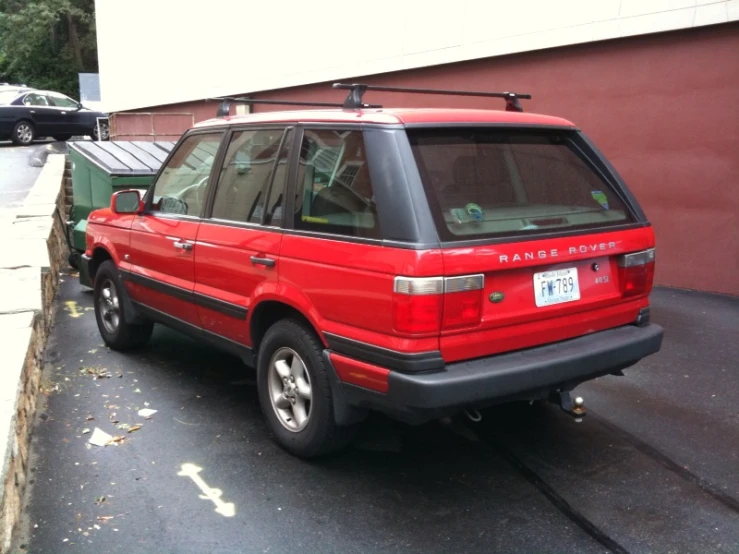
[[268, 262], [182, 245]]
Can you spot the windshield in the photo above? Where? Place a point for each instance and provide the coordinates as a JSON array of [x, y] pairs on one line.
[[7, 96], [485, 183]]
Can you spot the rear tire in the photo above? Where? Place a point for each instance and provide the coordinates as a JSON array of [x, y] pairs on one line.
[[110, 312], [104, 131], [23, 133], [73, 260], [295, 392]]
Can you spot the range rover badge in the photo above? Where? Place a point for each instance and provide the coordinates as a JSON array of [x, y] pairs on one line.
[[496, 297]]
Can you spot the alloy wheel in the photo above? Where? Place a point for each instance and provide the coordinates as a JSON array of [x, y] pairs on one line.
[[290, 389], [102, 131], [24, 133], [109, 306]]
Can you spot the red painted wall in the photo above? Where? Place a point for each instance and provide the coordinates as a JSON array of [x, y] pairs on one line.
[[663, 108]]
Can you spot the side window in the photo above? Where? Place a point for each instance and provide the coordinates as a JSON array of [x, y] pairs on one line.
[[181, 187], [35, 99], [61, 101], [334, 191], [245, 174], [276, 199]]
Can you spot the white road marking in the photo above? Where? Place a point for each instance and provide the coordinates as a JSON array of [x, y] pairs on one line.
[[226, 509]]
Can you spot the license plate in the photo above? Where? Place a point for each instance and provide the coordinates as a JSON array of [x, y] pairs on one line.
[[556, 287]]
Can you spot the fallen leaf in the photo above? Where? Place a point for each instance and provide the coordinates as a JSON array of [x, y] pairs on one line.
[[104, 518], [85, 431], [92, 351], [90, 418], [135, 428], [100, 499], [116, 440]]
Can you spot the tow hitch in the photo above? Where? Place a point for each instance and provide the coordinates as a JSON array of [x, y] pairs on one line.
[[574, 408]]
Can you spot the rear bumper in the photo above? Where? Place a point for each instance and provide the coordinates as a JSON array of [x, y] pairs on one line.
[[525, 374]]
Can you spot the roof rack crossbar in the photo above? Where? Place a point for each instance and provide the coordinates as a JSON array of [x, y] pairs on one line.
[[226, 101], [357, 90]]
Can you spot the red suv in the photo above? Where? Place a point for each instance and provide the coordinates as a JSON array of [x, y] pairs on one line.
[[419, 262]]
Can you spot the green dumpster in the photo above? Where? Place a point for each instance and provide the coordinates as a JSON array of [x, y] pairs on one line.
[[101, 168]]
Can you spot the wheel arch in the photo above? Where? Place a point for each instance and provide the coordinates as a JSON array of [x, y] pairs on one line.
[[100, 254], [268, 312]]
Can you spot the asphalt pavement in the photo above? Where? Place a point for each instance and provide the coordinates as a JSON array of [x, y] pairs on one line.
[[19, 167], [651, 469]]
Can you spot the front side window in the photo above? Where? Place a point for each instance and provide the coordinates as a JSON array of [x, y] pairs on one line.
[[61, 101], [334, 190], [246, 174], [485, 183], [181, 186]]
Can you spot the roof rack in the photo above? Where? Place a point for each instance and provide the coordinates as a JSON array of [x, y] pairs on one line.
[[357, 90], [225, 106]]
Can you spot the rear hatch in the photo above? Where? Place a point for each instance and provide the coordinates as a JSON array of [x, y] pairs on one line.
[[540, 243]]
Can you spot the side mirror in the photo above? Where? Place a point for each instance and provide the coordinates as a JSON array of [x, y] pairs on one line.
[[79, 106], [126, 202]]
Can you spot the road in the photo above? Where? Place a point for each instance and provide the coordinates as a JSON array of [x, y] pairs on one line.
[[19, 167], [652, 468]]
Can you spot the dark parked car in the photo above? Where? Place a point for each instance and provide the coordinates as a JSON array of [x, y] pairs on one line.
[[28, 114]]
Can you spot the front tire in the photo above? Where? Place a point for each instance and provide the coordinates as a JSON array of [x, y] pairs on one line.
[[295, 391], [62, 138], [23, 133], [110, 312]]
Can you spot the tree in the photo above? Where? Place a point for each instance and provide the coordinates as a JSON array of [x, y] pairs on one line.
[[46, 43]]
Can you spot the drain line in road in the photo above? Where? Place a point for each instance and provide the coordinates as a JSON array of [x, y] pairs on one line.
[[685, 474], [530, 475]]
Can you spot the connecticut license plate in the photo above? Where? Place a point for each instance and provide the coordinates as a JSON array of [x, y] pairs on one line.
[[556, 287]]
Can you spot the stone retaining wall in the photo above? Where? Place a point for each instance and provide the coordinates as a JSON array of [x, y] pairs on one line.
[[32, 253]]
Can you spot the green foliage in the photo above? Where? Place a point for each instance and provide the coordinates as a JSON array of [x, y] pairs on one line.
[[46, 43]]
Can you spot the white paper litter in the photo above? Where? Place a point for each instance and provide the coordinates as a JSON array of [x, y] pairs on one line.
[[146, 412], [100, 437]]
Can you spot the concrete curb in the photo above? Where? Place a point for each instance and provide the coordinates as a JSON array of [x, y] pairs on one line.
[[32, 255]]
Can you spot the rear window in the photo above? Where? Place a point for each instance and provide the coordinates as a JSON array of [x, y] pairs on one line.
[[487, 183], [7, 96]]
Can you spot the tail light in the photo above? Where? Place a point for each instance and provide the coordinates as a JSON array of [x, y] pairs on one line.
[[417, 304], [636, 273], [431, 304], [462, 301]]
